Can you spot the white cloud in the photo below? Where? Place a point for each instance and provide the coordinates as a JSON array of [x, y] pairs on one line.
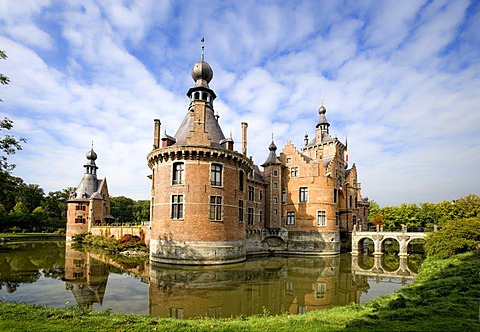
[[402, 82]]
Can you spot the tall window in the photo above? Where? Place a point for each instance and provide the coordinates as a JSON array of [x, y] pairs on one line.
[[260, 216], [275, 200], [216, 175], [354, 220], [241, 179], [337, 219], [215, 208], [356, 202], [335, 195], [260, 194], [320, 290], [275, 185], [251, 193], [290, 218], [294, 172], [240, 210], [321, 219], [178, 173], [250, 216], [284, 195], [177, 206], [303, 194]]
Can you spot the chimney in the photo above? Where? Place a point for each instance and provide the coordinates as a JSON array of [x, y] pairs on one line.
[[244, 138], [156, 134]]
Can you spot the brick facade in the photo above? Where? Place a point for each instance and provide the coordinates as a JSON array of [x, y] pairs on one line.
[[212, 205]]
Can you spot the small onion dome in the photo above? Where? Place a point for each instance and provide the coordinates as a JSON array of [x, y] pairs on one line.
[[202, 73], [272, 147], [91, 155]]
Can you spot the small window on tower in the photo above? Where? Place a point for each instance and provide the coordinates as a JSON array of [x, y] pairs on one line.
[[178, 173]]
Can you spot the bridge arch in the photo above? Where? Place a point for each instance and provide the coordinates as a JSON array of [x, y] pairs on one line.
[[378, 238]]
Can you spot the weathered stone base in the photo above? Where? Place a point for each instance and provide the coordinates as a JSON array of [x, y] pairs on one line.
[[197, 253], [313, 243]]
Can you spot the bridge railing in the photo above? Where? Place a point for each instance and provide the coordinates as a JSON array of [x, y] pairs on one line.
[[122, 224], [403, 229]]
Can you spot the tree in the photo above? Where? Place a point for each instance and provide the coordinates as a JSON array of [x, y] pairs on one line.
[[378, 220], [31, 195], [3, 79], [141, 210], [122, 208], [455, 237], [9, 145]]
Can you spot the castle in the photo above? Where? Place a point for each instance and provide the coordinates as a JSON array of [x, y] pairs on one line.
[[210, 204]]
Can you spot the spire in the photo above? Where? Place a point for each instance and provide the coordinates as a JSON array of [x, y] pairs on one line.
[[203, 48], [272, 158], [322, 121]]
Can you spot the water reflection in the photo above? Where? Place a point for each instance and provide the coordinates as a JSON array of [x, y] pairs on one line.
[[85, 276], [274, 286], [277, 285]]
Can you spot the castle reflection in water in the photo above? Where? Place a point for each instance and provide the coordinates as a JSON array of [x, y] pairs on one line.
[[270, 285]]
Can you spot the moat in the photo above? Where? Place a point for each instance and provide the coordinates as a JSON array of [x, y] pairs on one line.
[[55, 275]]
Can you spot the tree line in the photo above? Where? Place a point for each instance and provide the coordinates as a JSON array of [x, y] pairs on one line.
[[424, 214]]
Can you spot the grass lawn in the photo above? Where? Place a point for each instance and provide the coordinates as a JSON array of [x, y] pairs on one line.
[[445, 297]]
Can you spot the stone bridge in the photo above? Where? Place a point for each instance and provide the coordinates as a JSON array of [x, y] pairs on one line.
[[379, 236]]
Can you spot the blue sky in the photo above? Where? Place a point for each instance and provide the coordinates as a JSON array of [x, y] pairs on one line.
[[401, 79]]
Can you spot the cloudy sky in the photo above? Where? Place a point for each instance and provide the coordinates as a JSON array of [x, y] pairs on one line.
[[401, 79]]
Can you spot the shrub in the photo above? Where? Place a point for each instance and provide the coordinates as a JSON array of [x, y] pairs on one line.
[[455, 237]]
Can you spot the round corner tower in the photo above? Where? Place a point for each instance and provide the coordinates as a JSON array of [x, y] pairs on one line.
[[198, 186]]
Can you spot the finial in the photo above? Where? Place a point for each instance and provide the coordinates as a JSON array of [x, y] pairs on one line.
[[322, 99], [272, 137], [92, 144], [203, 48]]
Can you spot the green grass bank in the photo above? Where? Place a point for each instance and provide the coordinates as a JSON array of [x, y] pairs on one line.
[[445, 297]]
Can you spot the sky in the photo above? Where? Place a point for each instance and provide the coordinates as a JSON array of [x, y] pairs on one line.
[[400, 79]]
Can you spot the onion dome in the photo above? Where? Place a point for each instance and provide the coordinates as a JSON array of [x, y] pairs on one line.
[[322, 122], [202, 73]]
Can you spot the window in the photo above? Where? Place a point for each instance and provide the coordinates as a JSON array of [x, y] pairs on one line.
[[260, 194], [350, 201], [240, 210], [337, 219], [81, 207], [241, 176], [335, 195], [321, 219], [79, 220], [320, 290], [354, 220], [78, 275], [275, 173], [284, 195], [260, 216], [177, 206], [289, 160], [216, 175], [275, 200], [356, 202], [290, 218], [215, 208], [303, 194], [275, 185], [294, 172], [79, 263], [289, 288], [176, 313], [178, 173], [251, 193], [275, 211], [250, 216]]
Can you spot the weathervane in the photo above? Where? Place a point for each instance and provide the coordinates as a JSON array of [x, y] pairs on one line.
[[203, 48]]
